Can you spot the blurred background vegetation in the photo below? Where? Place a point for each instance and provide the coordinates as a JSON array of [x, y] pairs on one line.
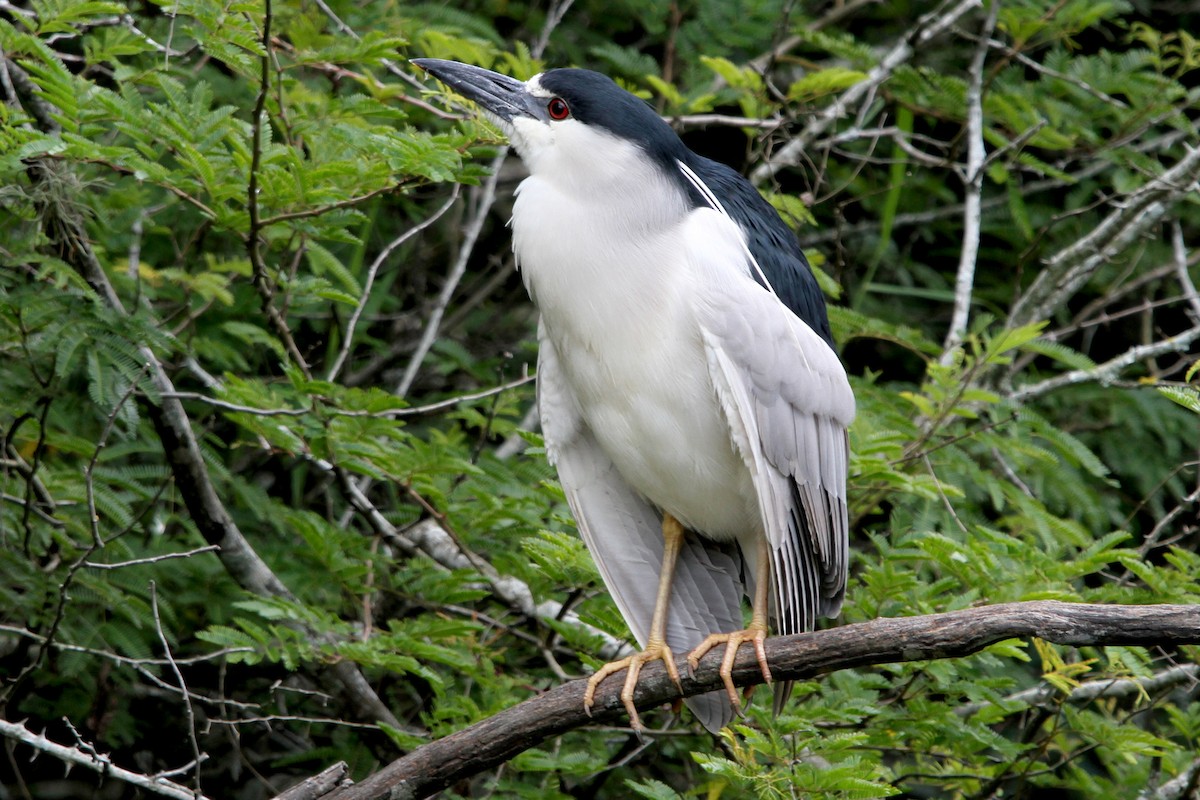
[[256, 293]]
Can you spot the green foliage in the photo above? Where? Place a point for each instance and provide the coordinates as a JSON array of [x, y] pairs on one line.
[[1029, 462]]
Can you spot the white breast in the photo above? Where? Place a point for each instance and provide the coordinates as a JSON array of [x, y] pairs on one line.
[[616, 299]]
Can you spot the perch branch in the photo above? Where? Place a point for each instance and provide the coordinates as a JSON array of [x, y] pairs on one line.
[[954, 634]]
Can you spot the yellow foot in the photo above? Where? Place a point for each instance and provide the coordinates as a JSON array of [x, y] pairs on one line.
[[732, 642], [634, 664]]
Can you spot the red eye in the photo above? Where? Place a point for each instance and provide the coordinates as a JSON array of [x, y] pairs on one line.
[[558, 109]]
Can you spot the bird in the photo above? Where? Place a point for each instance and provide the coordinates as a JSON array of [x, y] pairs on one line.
[[690, 395]]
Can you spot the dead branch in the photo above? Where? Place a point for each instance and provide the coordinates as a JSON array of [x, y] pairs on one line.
[[1132, 215], [318, 785], [926, 28], [86, 756], [954, 634]]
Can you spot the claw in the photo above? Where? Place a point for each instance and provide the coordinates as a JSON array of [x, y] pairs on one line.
[[634, 664], [733, 641]]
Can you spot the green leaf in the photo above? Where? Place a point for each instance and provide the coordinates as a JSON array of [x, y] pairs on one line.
[[1186, 396], [823, 82]]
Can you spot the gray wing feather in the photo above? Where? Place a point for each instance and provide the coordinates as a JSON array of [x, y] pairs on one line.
[[624, 534], [788, 403]]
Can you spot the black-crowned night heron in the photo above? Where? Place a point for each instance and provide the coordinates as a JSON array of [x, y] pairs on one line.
[[689, 392]]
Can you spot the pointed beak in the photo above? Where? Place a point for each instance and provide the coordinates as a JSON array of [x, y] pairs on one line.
[[499, 95]]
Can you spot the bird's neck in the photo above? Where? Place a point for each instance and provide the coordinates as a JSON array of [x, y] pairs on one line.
[[604, 249]]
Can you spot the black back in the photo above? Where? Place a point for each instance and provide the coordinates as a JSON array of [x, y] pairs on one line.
[[770, 240]]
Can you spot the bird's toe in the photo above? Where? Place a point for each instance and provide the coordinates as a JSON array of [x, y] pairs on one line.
[[633, 666], [732, 642]]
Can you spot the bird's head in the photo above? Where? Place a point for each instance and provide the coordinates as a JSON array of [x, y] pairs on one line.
[[567, 123]]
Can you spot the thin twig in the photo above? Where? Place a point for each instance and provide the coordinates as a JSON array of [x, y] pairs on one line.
[[470, 236], [208, 548], [1079, 83], [261, 280], [390, 413], [349, 202], [558, 10], [1180, 263], [116, 658], [268, 719], [1109, 370], [1186, 505], [722, 120], [348, 335], [89, 470], [189, 712]]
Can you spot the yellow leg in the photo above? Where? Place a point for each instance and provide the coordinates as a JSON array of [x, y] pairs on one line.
[[656, 644], [756, 633]]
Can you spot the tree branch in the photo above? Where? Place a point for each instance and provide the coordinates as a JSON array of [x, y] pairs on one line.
[[96, 762], [318, 785], [65, 229], [1111, 369], [348, 336], [813, 238], [954, 634], [927, 27], [1182, 785], [262, 281], [1094, 690], [198, 757], [964, 284], [1132, 215], [486, 199]]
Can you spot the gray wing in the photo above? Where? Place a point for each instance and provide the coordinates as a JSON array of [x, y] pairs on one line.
[[788, 403], [624, 534]]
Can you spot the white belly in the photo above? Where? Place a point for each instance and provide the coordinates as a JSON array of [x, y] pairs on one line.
[[629, 348]]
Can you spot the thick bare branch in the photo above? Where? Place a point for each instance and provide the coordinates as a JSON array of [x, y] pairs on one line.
[[318, 785], [1182, 785], [486, 744]]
